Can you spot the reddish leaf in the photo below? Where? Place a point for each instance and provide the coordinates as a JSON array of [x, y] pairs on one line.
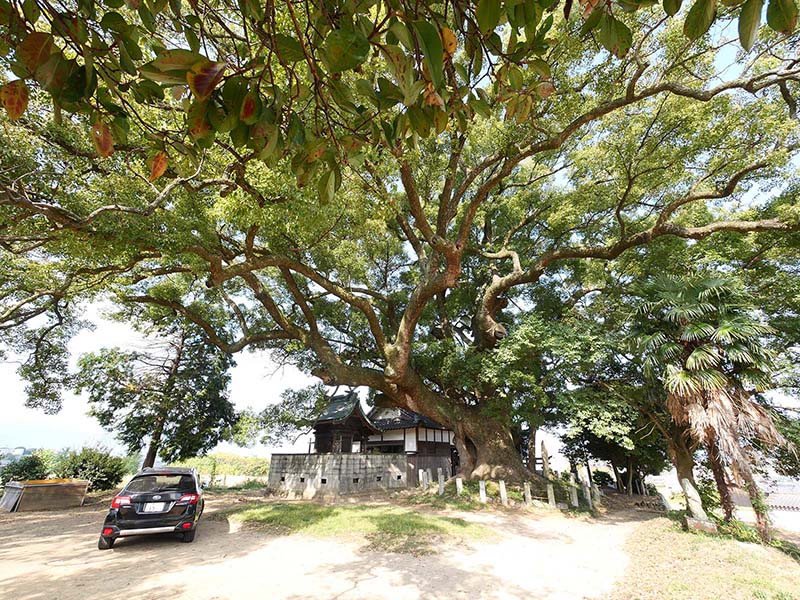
[[103, 142], [158, 165], [250, 108], [588, 6], [15, 98], [35, 49], [199, 125], [545, 89], [204, 77]]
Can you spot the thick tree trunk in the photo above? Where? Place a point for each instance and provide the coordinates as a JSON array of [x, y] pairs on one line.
[[763, 522], [718, 469], [683, 459], [150, 457], [155, 443], [486, 450], [485, 444]]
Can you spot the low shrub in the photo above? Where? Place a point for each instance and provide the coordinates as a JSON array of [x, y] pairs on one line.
[[102, 469], [709, 495], [31, 466]]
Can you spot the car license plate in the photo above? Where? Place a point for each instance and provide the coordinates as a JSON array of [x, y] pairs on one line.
[[154, 506]]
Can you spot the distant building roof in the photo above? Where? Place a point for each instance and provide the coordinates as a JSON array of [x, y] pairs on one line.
[[395, 417]]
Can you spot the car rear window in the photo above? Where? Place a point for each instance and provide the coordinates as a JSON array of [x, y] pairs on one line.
[[161, 483]]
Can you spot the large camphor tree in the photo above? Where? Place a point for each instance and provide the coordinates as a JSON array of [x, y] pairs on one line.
[[372, 190]]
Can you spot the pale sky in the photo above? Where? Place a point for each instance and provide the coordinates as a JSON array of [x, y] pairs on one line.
[[256, 382]]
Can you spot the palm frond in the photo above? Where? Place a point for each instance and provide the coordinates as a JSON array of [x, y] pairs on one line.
[[703, 357], [697, 331]]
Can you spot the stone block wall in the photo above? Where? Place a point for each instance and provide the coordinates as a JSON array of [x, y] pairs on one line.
[[310, 475]]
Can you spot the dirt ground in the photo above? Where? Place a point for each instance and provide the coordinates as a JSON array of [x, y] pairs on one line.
[[54, 556]]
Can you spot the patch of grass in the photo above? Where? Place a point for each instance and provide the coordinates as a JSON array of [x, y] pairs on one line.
[[668, 563], [387, 528], [745, 532]]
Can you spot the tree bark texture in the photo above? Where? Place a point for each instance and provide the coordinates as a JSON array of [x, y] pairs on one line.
[[683, 459], [718, 469]]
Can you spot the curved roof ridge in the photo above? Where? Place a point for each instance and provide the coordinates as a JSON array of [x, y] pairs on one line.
[[406, 419]]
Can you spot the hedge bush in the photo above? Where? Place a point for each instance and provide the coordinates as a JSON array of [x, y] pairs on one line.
[[220, 463], [102, 469], [31, 466]]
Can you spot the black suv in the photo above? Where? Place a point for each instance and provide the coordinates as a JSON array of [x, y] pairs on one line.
[[168, 500]]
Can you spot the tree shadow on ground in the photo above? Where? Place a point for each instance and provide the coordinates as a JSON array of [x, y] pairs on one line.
[[404, 553], [78, 568]]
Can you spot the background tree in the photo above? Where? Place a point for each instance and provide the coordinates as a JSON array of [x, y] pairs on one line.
[[705, 348], [608, 428], [174, 394]]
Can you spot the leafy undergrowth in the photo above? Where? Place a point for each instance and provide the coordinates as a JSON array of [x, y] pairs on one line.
[[744, 532], [387, 528], [668, 563], [250, 484]]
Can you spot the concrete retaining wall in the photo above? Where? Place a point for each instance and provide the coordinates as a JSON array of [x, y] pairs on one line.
[[310, 475]]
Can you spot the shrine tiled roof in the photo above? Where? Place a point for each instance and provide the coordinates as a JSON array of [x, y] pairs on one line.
[[381, 418], [339, 408], [390, 418]]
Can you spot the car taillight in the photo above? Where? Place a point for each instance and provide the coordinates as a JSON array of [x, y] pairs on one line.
[[186, 525], [108, 531], [189, 499], [120, 501]]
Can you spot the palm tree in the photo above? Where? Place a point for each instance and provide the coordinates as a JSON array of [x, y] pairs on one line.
[[702, 342]]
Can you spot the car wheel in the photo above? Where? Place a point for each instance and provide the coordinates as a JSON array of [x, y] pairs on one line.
[[188, 536], [105, 543]]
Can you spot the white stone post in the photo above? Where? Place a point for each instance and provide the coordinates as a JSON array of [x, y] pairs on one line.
[[551, 495], [482, 486], [459, 486], [421, 481], [527, 491], [573, 491], [587, 494], [440, 476], [428, 478], [503, 493], [545, 462]]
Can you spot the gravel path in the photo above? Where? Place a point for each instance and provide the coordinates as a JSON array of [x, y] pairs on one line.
[[536, 555]]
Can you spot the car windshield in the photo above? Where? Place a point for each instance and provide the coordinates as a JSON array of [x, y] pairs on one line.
[[161, 483]]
